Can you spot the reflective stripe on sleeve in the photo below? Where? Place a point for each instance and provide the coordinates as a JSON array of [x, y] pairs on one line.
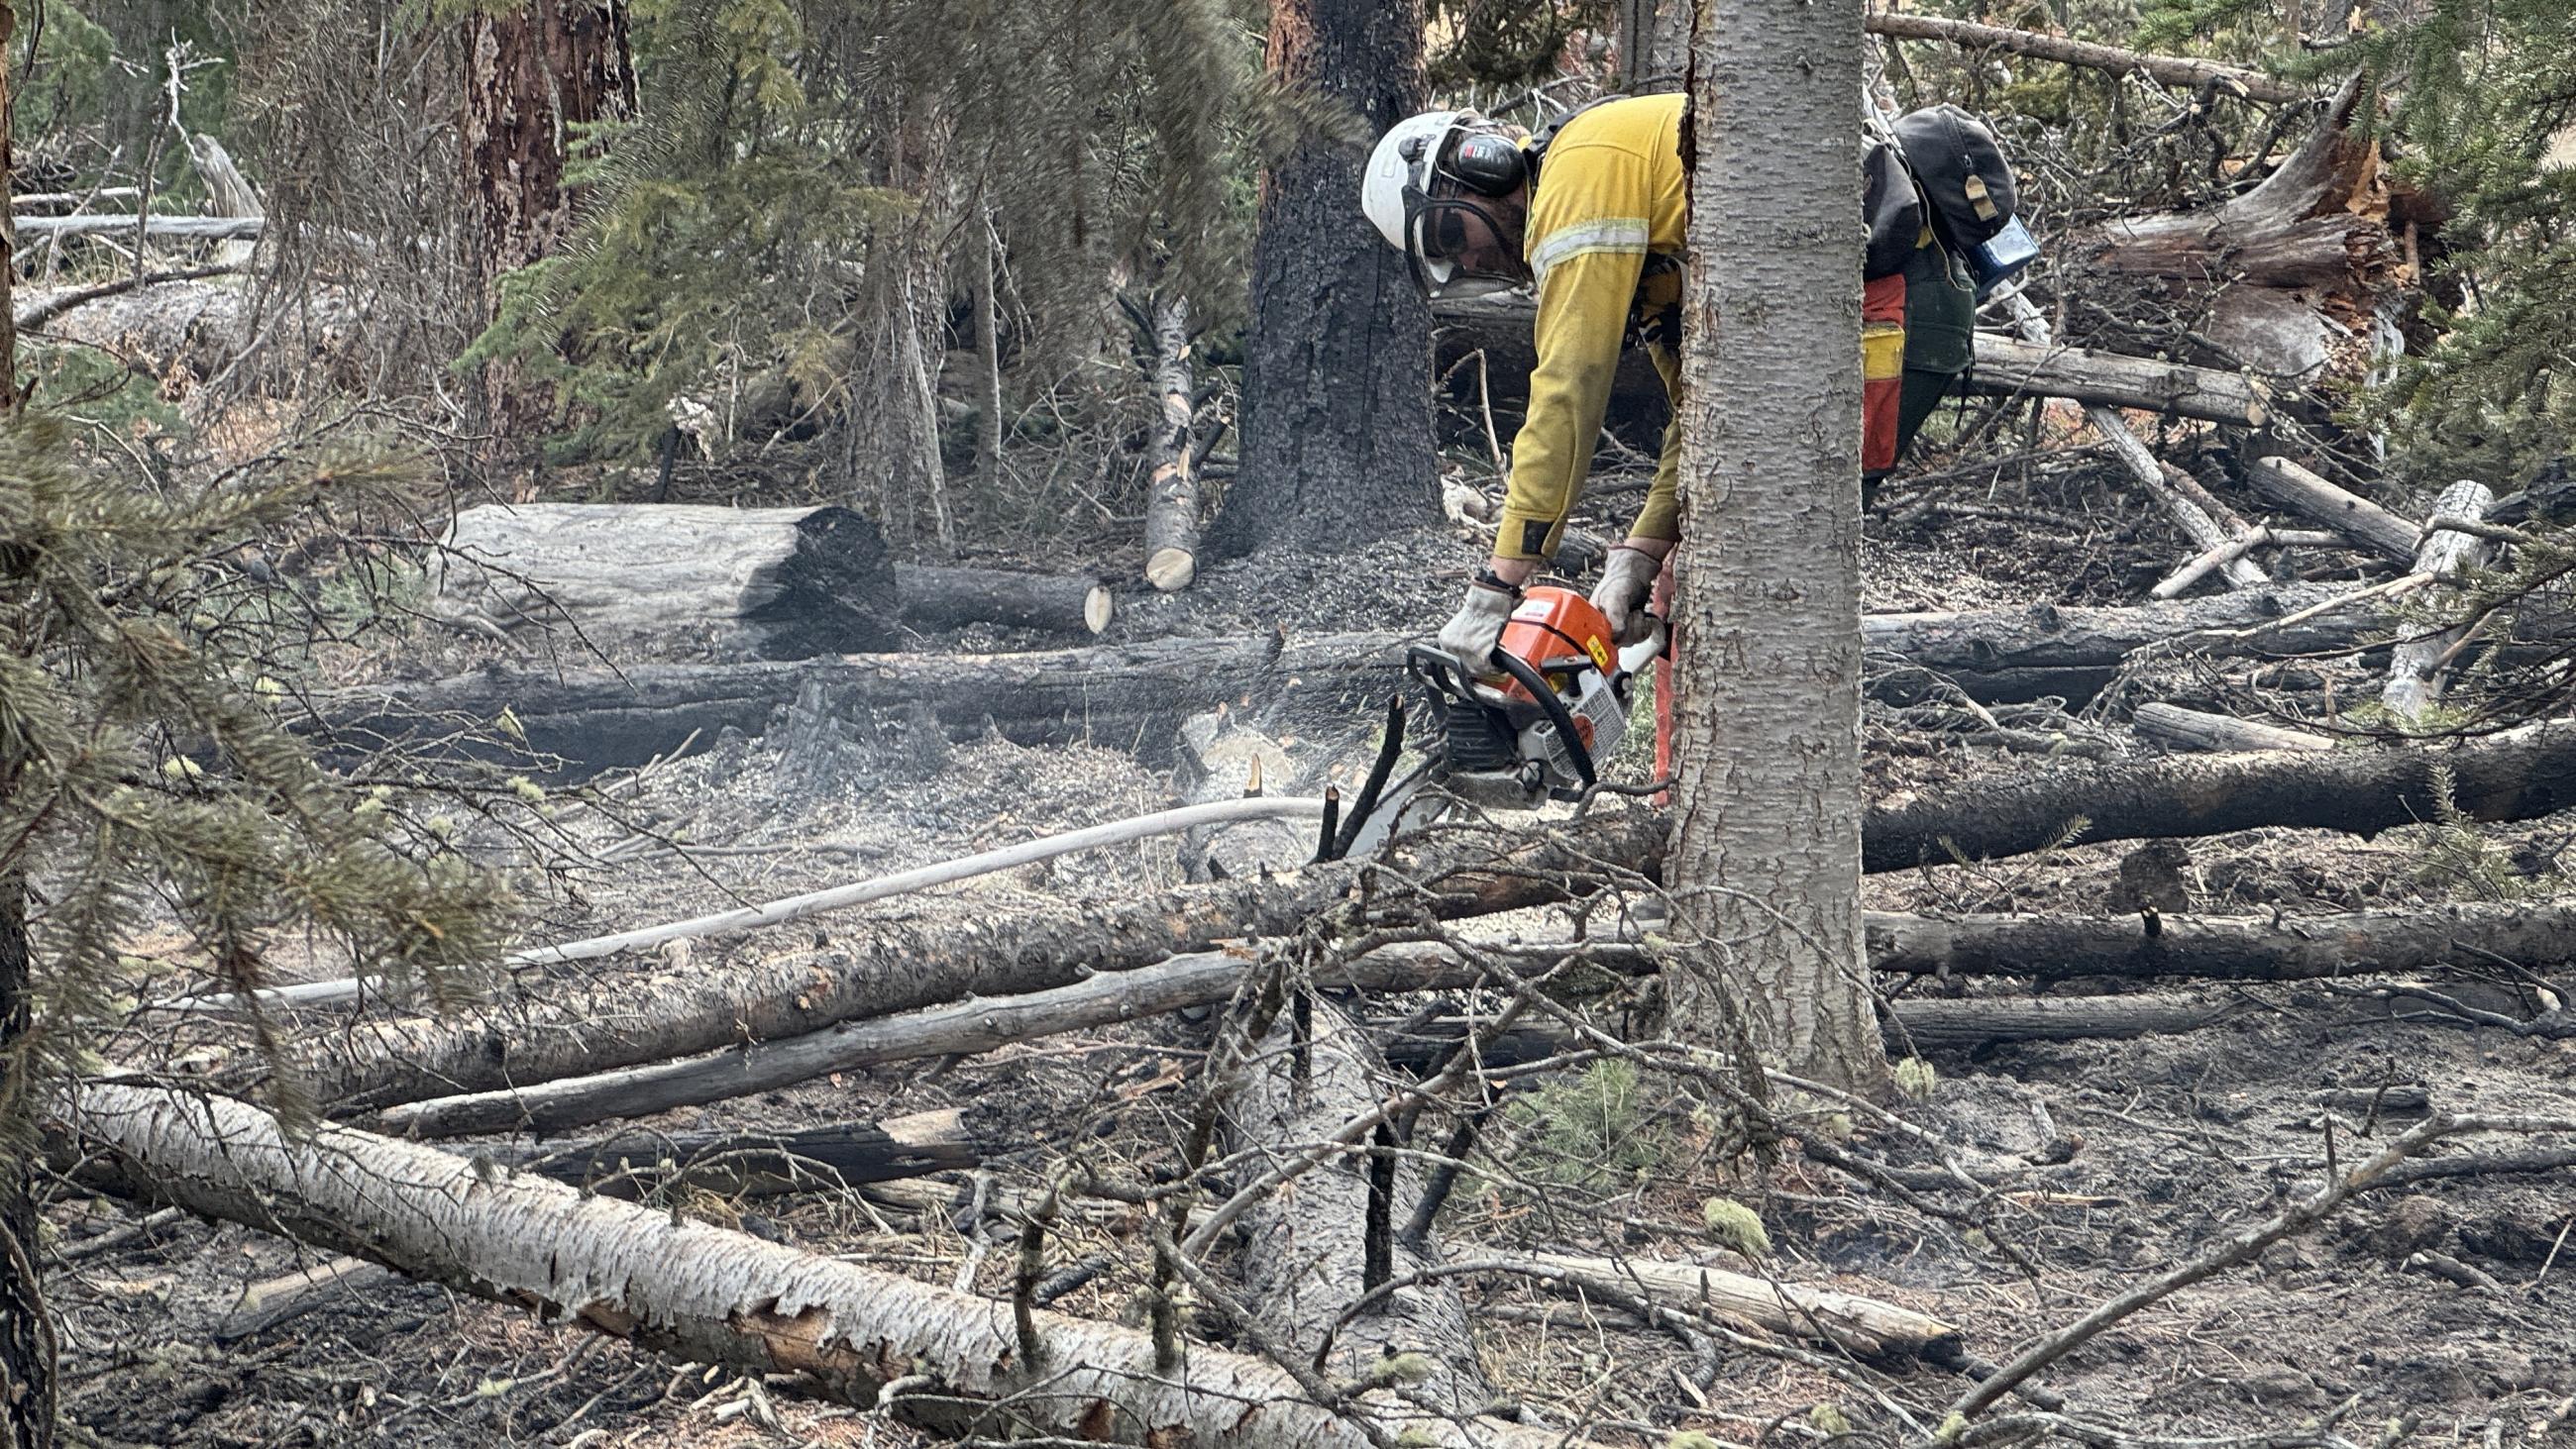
[[1611, 234]]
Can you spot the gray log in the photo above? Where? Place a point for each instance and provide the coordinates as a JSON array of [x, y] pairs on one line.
[[193, 228], [2355, 517], [1172, 495], [2445, 555], [2010, 367], [2194, 729]]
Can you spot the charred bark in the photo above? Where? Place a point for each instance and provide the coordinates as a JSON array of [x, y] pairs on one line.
[[2220, 948], [1336, 428], [2518, 776]]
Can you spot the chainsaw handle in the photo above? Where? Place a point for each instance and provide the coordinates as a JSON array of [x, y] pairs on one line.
[[1635, 657], [1527, 676]]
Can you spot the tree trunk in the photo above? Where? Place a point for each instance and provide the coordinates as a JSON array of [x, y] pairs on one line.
[[1172, 497], [26, 1331], [2446, 555], [2522, 775], [708, 1294], [1766, 854], [768, 583], [2223, 948], [533, 72], [1336, 430]]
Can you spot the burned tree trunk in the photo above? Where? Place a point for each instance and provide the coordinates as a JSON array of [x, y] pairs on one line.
[[534, 71], [709, 1294], [1336, 429], [763, 1164], [2222, 948], [2518, 776]]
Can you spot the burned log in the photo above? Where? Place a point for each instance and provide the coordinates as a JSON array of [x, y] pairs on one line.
[[762, 1164], [2221, 948], [934, 1358], [767, 583], [2074, 636], [1131, 696], [2521, 775]]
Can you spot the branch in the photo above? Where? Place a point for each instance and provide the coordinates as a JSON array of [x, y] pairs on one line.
[[2172, 70]]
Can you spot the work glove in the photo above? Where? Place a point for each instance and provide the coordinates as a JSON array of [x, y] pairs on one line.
[[1477, 627], [1627, 582]]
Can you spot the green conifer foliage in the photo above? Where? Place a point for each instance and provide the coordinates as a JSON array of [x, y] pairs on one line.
[[145, 777]]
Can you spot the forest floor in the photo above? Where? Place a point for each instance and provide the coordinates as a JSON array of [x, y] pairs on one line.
[[2112, 1160]]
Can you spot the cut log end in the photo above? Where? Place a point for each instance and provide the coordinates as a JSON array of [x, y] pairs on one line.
[[1098, 608], [1171, 569]]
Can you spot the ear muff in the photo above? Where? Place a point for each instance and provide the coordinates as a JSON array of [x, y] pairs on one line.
[[1488, 164]]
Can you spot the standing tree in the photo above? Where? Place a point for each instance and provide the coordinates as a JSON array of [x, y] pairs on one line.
[[535, 73], [1766, 858], [1336, 426]]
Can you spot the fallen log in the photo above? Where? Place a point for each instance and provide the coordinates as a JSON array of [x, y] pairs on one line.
[[1126, 696], [2521, 775], [1306, 1249], [2010, 367], [2186, 72], [1863, 1325], [2238, 544], [2347, 513], [712, 1295], [762, 1164], [766, 583], [2198, 730], [2445, 555], [191, 228], [1172, 490], [2064, 635], [975, 1024], [274, 1302], [938, 953], [2221, 948]]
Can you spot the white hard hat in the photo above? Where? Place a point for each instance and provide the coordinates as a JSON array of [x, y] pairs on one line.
[[1402, 163]]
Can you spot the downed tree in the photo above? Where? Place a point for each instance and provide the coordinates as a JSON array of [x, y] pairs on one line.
[[2188, 72], [1308, 1263], [2010, 367], [2199, 730], [763, 1164], [959, 1364], [765, 583], [939, 952], [2067, 635], [2446, 556], [1125, 696], [1864, 1326], [2221, 948], [2520, 775], [2355, 517]]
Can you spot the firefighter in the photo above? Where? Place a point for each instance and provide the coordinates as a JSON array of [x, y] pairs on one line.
[[1601, 236]]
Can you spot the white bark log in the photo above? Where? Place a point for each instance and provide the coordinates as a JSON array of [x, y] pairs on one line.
[[2196, 730], [710, 1294], [2444, 556], [1863, 1325], [1172, 498]]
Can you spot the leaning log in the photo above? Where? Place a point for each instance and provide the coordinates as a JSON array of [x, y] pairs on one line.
[[1127, 696], [2521, 775], [713, 1295], [2355, 517], [1172, 489], [764, 583], [2221, 948]]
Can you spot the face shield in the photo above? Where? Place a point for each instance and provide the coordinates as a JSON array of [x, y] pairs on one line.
[[1462, 245]]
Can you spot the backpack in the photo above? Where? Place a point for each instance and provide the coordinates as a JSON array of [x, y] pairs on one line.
[[1964, 174]]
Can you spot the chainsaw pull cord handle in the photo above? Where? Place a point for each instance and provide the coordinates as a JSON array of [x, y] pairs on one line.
[[1527, 676]]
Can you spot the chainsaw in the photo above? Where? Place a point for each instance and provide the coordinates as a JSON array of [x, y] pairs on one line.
[[1534, 724]]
